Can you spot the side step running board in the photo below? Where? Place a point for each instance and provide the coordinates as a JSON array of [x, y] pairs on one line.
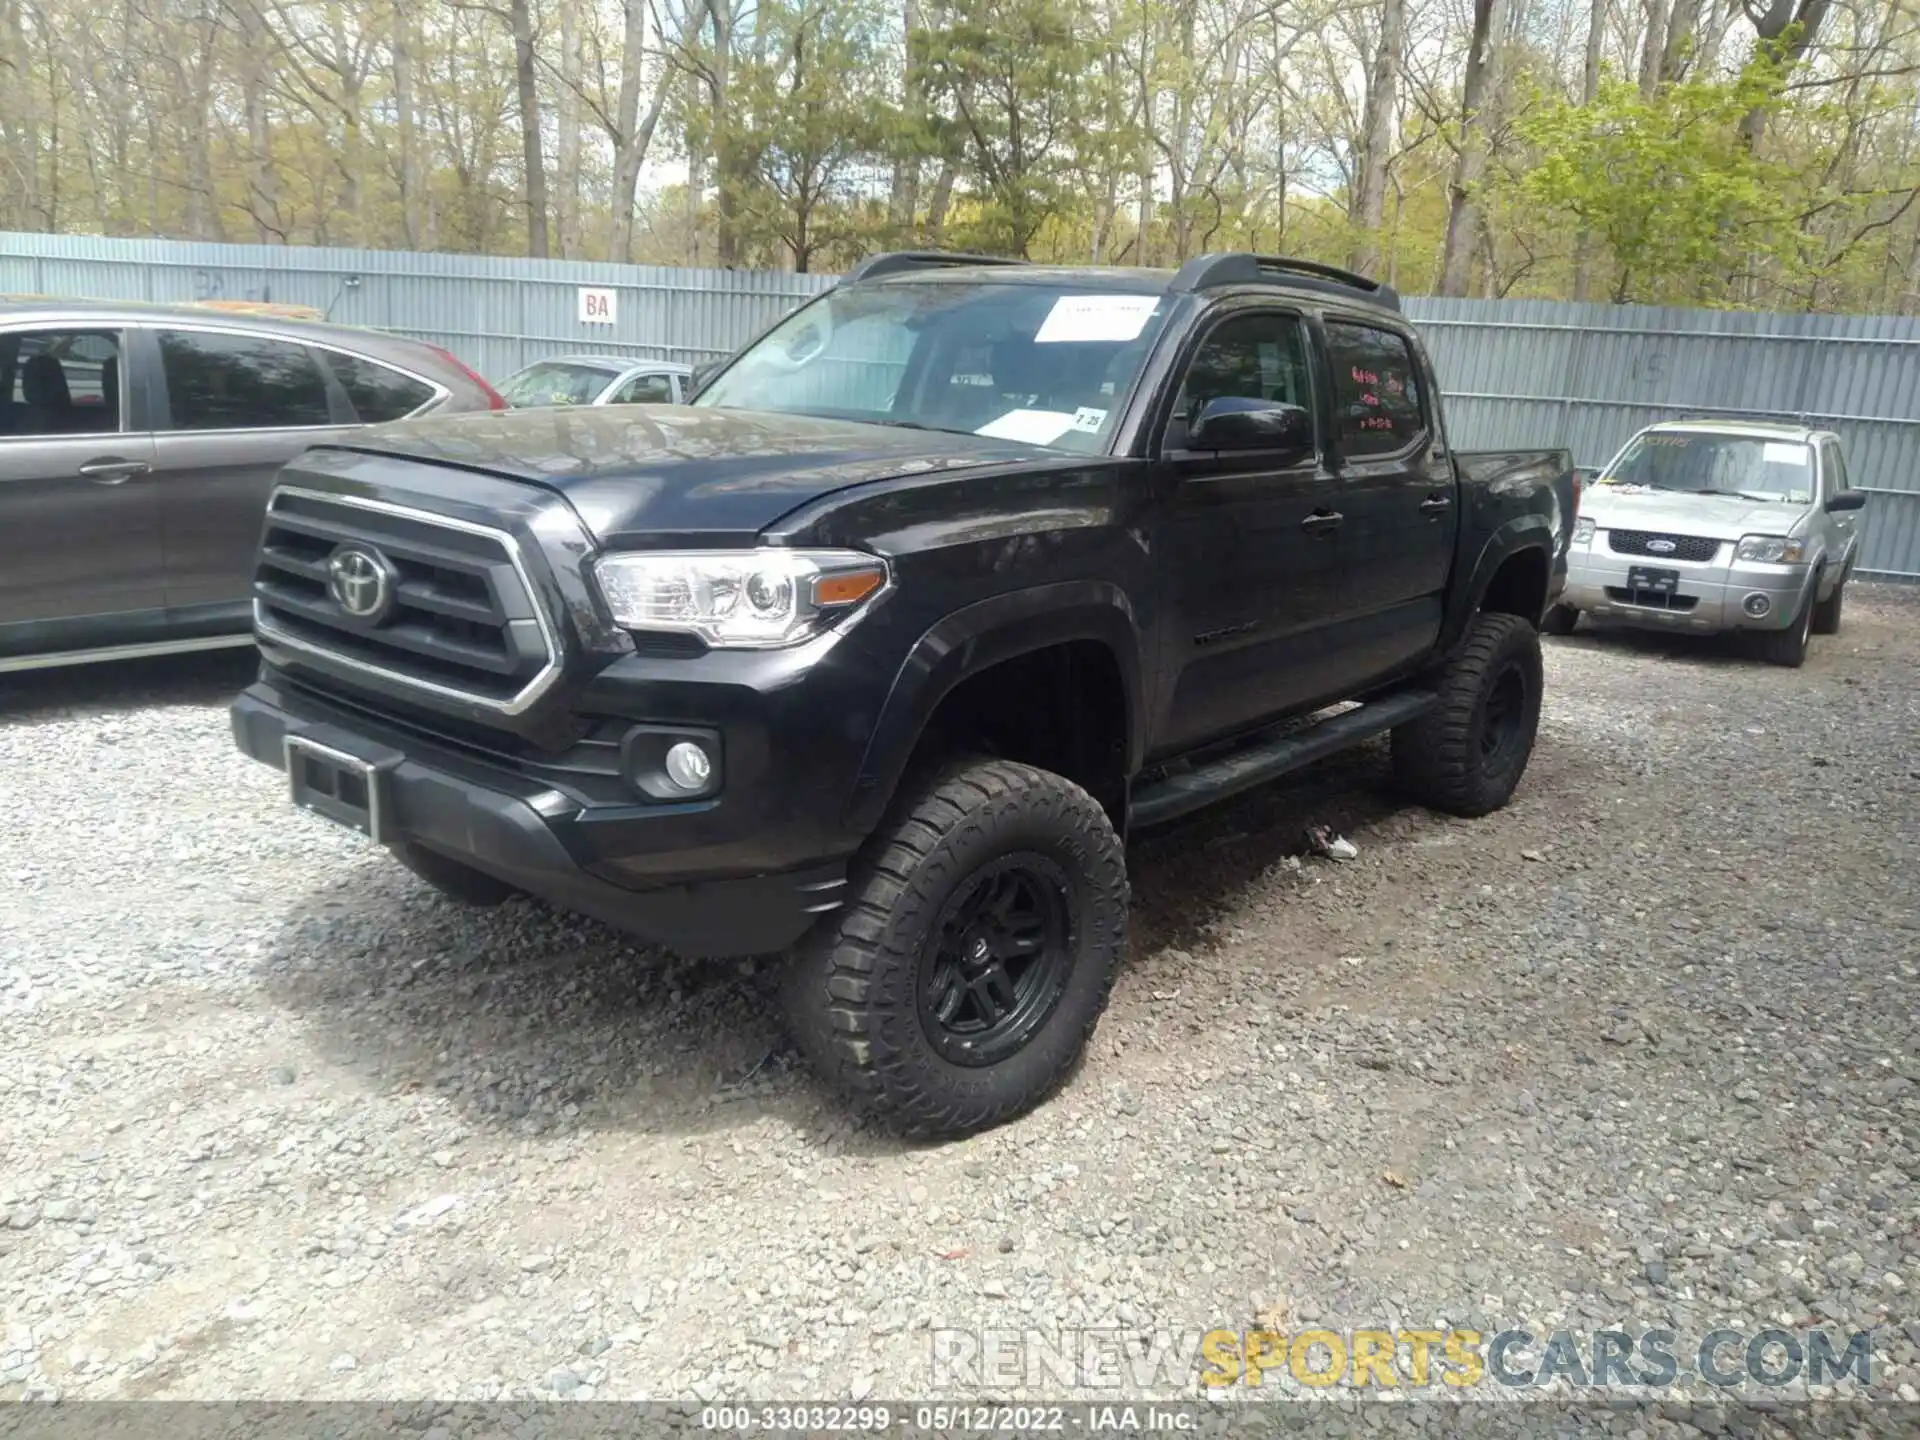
[[1262, 761]]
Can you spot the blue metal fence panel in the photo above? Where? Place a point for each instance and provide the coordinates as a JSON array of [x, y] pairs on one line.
[[1516, 372]]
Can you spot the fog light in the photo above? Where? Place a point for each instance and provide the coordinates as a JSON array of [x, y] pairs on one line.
[[1756, 605], [689, 767]]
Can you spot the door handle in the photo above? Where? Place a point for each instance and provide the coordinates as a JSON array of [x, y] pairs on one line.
[[112, 472], [1435, 504], [1321, 521]]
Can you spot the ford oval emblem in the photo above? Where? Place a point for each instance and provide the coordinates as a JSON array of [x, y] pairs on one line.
[[1661, 547]]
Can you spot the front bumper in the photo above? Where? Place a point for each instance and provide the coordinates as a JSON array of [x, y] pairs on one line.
[[533, 835], [1713, 595]]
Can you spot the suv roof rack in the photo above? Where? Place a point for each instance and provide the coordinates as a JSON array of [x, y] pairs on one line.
[[1205, 272], [895, 261]]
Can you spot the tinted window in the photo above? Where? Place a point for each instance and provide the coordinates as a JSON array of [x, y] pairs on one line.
[[241, 382], [646, 390], [1376, 390], [59, 382], [1254, 357], [378, 392]]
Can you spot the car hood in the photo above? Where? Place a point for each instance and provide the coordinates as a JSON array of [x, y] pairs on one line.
[[673, 474], [1712, 517]]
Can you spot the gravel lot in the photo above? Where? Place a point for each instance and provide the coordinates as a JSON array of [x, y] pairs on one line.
[[276, 1121]]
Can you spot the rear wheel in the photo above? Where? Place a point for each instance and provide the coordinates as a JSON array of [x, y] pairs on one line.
[[962, 980], [1559, 620], [1467, 753], [1826, 614], [1788, 647]]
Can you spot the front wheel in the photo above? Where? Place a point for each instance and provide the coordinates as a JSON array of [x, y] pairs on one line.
[[1467, 754], [963, 978], [1788, 647], [1826, 614]]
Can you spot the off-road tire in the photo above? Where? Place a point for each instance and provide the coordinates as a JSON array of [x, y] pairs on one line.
[[453, 879], [853, 987], [1788, 647], [1559, 620], [1826, 613], [1439, 758]]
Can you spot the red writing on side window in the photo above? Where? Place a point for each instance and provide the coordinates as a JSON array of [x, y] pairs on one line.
[[1364, 377], [1376, 422], [1369, 399]]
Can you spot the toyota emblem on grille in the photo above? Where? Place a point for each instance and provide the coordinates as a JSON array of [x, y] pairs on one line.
[[1660, 545], [360, 580]]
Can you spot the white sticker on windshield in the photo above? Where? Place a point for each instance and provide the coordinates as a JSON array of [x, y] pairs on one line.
[[1087, 318], [1088, 419], [1780, 453], [1031, 427], [1799, 497]]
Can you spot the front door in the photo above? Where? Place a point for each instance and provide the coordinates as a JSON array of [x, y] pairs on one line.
[[80, 556], [1252, 544], [237, 407], [1397, 490]]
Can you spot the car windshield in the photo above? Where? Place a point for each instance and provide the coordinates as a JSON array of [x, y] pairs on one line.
[[1044, 364], [1703, 463], [556, 382]]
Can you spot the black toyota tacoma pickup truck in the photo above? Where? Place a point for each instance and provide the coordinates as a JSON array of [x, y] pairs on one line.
[[877, 650]]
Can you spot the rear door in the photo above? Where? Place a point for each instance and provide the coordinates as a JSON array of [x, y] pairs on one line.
[[79, 518], [1397, 492], [1253, 552], [236, 407]]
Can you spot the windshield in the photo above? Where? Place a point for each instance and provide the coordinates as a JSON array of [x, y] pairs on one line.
[[1037, 363], [555, 382], [1702, 463]]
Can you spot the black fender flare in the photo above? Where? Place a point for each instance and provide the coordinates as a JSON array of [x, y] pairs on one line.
[[1510, 538], [983, 634]]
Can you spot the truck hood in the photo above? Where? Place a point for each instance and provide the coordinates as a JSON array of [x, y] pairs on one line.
[[1712, 517], [677, 475]]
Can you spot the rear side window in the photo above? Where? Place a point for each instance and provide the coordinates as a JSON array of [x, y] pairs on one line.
[[378, 392], [59, 382], [1376, 389], [241, 382]]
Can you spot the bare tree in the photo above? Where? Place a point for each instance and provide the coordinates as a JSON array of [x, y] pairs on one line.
[[1367, 205], [1464, 219]]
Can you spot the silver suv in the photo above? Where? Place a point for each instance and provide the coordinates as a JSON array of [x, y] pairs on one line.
[[137, 446], [1711, 525]]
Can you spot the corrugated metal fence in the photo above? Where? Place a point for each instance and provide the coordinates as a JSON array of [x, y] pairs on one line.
[[1517, 372]]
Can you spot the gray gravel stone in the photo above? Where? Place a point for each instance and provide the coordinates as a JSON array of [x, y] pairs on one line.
[[289, 1106]]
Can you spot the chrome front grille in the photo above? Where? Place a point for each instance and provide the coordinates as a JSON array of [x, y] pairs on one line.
[[458, 615], [1656, 546]]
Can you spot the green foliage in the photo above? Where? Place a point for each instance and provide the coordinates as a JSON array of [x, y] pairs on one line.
[[1011, 73], [1667, 182]]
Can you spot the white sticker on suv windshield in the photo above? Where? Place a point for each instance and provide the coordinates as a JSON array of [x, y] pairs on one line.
[[1031, 427], [1089, 318], [1779, 453], [1089, 419]]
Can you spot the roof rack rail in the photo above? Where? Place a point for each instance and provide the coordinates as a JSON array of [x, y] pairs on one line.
[[1205, 272], [895, 261]]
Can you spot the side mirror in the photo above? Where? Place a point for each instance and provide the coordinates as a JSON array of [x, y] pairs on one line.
[[1847, 500], [1232, 423]]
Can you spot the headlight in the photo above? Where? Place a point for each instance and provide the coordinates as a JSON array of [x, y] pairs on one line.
[[739, 599], [1583, 530], [1770, 549]]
